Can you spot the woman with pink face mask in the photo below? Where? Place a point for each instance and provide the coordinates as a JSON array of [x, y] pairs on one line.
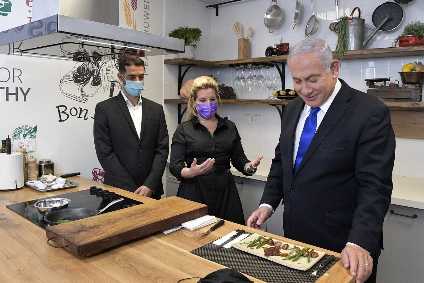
[[203, 148]]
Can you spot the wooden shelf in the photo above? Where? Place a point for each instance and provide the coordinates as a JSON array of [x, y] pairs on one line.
[[405, 106], [226, 63], [350, 55], [235, 101], [393, 105], [407, 117], [384, 52]]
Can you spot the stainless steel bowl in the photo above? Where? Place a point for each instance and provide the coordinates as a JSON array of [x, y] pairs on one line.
[[48, 204], [412, 77]]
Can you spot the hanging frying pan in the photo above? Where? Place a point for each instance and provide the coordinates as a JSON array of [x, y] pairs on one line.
[[403, 1], [388, 9], [386, 17]]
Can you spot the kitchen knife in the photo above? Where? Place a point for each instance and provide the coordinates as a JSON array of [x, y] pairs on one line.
[[213, 228], [70, 175]]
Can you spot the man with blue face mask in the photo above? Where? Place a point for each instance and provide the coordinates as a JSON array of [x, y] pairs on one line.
[[130, 133]]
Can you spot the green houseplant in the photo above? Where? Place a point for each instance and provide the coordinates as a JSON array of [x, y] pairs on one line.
[[342, 31], [412, 35], [191, 37]]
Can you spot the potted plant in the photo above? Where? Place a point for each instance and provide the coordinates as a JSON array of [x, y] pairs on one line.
[[191, 37], [413, 34]]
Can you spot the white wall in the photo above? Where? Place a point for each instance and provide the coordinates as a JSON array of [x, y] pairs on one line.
[[259, 125], [68, 141]]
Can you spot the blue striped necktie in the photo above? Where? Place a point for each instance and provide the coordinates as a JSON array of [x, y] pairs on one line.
[[308, 133]]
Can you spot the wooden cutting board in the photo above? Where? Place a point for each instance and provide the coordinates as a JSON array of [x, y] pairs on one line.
[[90, 236]]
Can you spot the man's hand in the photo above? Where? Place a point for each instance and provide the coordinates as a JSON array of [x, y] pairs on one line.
[[258, 217], [144, 191], [359, 261], [196, 170]]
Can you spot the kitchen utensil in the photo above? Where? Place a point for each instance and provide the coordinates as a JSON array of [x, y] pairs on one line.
[[45, 167], [71, 214], [273, 17], [388, 9], [229, 237], [250, 33], [312, 23], [244, 48], [297, 14], [409, 40], [68, 175], [403, 1], [45, 205], [91, 236], [237, 28], [213, 228], [337, 9], [385, 17]]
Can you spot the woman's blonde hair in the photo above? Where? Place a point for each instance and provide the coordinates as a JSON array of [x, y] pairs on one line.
[[202, 82]]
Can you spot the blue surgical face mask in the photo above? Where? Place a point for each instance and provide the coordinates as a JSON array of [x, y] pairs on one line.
[[134, 88]]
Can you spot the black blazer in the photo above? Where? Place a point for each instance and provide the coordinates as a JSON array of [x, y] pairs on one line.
[[343, 187], [130, 161]]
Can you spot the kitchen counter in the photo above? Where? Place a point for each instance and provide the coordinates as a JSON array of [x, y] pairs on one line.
[[26, 257], [408, 191]]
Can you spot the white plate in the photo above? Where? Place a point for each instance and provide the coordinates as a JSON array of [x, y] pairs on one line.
[[301, 264]]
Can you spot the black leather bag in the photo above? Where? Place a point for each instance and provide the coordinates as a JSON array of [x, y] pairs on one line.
[[225, 275]]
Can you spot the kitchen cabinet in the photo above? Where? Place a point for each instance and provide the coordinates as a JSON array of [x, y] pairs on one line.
[[250, 192], [402, 259]]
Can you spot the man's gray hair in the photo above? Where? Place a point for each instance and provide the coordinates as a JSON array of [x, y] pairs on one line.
[[314, 45]]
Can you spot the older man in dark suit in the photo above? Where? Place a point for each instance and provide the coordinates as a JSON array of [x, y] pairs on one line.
[[333, 164], [130, 133]]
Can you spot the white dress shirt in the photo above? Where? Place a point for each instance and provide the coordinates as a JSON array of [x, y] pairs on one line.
[[320, 116], [135, 112]]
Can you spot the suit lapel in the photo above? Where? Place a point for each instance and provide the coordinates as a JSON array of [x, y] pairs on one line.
[[332, 117], [145, 118], [122, 104], [289, 130]]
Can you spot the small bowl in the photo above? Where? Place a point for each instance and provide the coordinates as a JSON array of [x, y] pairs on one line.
[[45, 205], [412, 77]]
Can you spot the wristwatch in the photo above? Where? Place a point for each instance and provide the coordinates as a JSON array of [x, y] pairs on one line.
[[249, 169]]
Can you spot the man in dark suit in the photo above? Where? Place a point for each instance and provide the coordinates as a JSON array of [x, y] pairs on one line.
[[333, 163], [130, 133]]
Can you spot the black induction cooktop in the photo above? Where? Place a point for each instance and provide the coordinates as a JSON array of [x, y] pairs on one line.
[[93, 198]]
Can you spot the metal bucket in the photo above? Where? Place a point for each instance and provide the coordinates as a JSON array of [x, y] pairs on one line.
[[356, 31]]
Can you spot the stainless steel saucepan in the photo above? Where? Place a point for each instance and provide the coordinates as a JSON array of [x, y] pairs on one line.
[[274, 16]]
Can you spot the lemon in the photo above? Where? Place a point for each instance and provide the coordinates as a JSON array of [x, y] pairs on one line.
[[409, 67]]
